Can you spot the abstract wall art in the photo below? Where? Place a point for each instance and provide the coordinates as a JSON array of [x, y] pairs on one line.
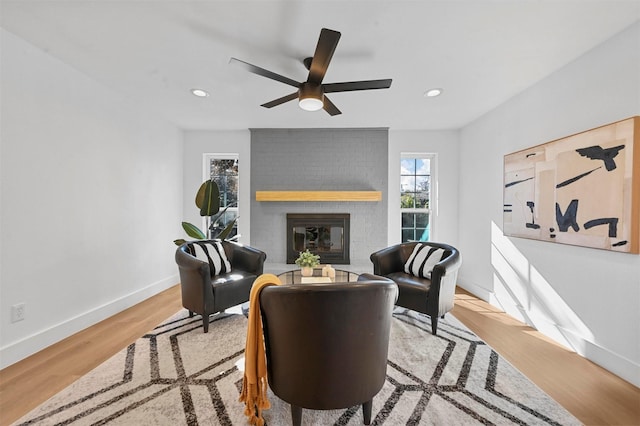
[[581, 190]]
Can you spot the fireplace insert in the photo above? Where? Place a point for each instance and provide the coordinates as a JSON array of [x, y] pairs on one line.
[[325, 234]]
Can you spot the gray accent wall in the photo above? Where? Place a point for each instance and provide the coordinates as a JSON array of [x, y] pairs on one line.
[[319, 160]]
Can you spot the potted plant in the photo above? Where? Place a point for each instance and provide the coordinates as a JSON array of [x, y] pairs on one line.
[[208, 201], [307, 261]]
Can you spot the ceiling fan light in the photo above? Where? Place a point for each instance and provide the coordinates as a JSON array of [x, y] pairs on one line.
[[310, 97], [310, 104]]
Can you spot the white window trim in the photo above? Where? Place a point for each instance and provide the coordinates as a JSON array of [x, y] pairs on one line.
[[434, 193], [206, 174]]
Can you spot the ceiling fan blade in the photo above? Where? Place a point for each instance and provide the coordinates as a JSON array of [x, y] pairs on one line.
[[263, 72], [281, 100], [356, 85], [330, 107], [327, 43]]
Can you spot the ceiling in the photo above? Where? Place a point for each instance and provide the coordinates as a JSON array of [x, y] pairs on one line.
[[480, 52]]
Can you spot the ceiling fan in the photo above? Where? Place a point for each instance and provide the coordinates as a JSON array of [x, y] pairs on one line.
[[311, 93]]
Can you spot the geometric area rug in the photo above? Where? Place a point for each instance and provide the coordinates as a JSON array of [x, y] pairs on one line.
[[177, 375]]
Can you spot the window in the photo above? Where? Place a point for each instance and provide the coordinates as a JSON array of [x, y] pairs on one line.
[[416, 203], [223, 170]]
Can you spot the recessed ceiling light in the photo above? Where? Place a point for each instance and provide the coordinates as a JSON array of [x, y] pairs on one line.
[[199, 93], [432, 93]]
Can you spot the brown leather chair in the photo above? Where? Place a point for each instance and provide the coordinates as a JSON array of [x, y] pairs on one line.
[[205, 294], [434, 296], [327, 344]]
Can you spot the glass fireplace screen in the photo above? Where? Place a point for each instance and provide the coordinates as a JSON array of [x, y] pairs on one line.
[[326, 235]]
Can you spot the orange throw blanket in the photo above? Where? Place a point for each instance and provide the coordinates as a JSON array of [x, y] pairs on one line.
[[254, 384]]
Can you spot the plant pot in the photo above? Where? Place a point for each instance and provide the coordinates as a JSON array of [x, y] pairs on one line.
[[306, 271]]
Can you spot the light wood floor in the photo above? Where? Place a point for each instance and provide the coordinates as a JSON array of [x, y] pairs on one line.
[[590, 393]]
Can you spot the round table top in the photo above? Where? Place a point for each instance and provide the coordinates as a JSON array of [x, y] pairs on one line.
[[295, 276]]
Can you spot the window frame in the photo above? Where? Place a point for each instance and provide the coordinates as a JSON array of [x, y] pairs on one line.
[[206, 175], [431, 211]]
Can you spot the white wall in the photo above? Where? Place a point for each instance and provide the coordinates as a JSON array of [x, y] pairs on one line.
[[91, 200], [584, 298], [444, 226], [198, 143]]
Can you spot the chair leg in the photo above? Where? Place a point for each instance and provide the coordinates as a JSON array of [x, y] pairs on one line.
[[205, 322], [434, 324], [296, 415], [190, 314], [366, 411]]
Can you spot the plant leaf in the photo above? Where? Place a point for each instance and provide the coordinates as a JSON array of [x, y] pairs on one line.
[[210, 200], [200, 194], [179, 241], [227, 230], [219, 215], [193, 231]]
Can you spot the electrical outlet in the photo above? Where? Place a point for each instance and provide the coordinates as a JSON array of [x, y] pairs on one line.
[[17, 312]]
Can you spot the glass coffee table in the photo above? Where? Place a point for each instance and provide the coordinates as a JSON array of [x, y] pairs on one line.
[[295, 276]]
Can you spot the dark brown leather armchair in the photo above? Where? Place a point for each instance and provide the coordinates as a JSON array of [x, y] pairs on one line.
[[327, 344], [434, 296], [205, 295]]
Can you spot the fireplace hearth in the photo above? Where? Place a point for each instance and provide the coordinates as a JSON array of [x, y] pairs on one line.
[[325, 234]]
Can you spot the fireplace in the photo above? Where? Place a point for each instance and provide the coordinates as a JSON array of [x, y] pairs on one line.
[[325, 234]]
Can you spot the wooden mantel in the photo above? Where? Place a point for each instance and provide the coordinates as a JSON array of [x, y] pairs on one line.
[[318, 195]]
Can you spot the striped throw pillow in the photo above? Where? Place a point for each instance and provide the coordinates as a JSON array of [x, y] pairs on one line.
[[213, 253], [422, 260]]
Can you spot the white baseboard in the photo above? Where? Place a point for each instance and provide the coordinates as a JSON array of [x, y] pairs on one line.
[[620, 366], [29, 345], [474, 289]]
